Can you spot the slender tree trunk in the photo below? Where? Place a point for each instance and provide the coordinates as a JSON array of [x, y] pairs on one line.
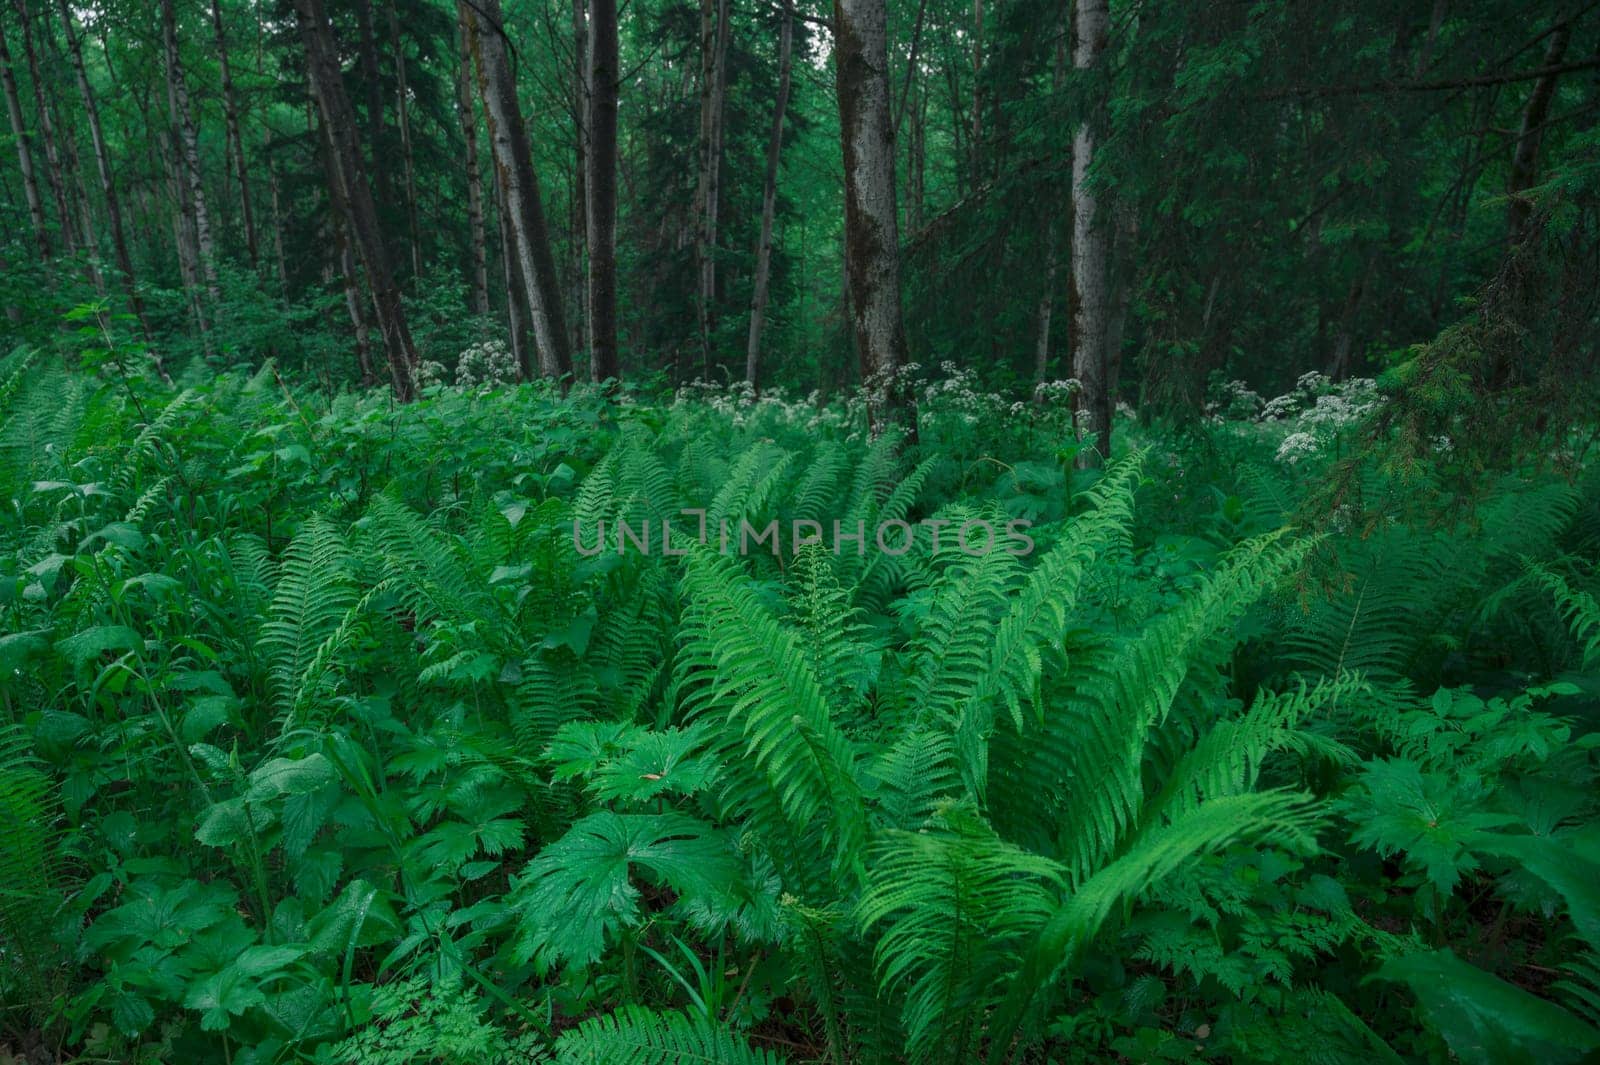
[[1045, 315], [187, 151], [349, 180], [59, 189], [601, 198], [916, 165], [579, 224], [1052, 255], [516, 311], [1525, 158], [230, 111], [184, 239], [713, 91], [407, 158], [79, 203], [513, 158], [102, 162], [975, 138], [352, 302], [469, 136], [1090, 255], [339, 226], [872, 237], [19, 132], [769, 201]]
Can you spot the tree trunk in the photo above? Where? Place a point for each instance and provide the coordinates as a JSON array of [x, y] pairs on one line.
[[339, 226], [579, 223], [59, 189], [872, 238], [975, 138], [230, 111], [713, 91], [349, 181], [1090, 254], [601, 198], [513, 159], [102, 162], [352, 303], [1052, 254], [187, 152], [1045, 315], [1525, 158], [19, 132], [407, 158], [769, 201], [516, 312], [469, 135]]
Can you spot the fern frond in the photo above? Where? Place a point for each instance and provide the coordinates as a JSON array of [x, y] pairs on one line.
[[1577, 608], [27, 864], [951, 906], [634, 1035], [552, 692], [1121, 703], [314, 594], [1227, 759], [1265, 818], [746, 670]]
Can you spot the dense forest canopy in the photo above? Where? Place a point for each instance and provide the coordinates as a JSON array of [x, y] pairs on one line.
[[1277, 187], [745, 531]]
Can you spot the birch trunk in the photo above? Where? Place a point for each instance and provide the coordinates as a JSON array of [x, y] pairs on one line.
[[230, 111], [513, 159], [1090, 254], [187, 152], [102, 162], [469, 135], [60, 191], [872, 238], [601, 198], [349, 180], [19, 132], [769, 202]]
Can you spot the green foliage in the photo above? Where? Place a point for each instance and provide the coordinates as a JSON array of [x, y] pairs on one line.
[[325, 741]]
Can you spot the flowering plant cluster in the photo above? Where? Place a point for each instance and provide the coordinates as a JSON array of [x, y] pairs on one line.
[[485, 365], [1304, 421], [429, 373]]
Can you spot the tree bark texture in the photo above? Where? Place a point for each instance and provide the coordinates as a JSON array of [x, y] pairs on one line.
[[348, 180], [513, 159], [872, 238], [601, 194], [769, 201], [1090, 258]]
